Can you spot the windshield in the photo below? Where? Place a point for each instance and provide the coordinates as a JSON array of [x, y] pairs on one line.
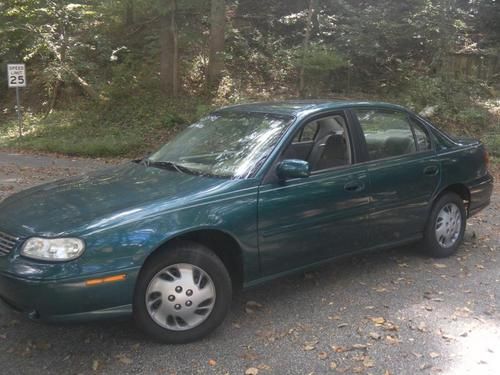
[[226, 144]]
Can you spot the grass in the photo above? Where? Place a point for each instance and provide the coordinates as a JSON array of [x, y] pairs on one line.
[[105, 130]]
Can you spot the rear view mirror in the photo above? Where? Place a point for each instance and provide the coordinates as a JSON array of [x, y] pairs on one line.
[[293, 168]]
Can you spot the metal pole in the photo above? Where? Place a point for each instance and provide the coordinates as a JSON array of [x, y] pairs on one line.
[[19, 114]]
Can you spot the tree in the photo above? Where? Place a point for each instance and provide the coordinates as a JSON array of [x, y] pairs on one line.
[[216, 43], [168, 49], [305, 48]]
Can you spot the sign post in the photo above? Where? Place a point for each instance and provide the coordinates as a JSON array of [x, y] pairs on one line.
[[16, 76]]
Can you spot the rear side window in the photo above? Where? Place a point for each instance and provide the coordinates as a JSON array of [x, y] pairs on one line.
[[421, 136], [387, 133]]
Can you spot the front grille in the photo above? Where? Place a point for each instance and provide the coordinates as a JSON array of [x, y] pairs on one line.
[[7, 243]]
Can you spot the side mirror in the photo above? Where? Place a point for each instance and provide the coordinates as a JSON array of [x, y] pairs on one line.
[[292, 168]]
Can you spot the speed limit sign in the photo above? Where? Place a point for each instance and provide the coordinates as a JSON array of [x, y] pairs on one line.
[[16, 75]]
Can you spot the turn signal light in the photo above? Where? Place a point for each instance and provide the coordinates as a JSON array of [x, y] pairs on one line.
[[109, 279]]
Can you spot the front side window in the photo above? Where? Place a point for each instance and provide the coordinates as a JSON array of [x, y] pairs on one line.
[[324, 143], [224, 144], [387, 133]]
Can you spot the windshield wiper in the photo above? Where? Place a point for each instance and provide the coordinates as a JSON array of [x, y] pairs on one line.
[[168, 165]]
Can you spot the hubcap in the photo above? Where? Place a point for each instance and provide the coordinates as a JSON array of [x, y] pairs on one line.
[[180, 297], [448, 225]]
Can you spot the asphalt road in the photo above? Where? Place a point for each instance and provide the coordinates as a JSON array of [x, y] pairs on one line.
[[390, 312]]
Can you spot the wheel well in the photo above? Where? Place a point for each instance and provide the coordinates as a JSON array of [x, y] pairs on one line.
[[222, 244], [461, 190]]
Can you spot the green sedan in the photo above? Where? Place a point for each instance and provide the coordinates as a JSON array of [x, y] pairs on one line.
[[246, 194]]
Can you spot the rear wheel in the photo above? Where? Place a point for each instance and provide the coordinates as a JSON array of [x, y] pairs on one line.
[[182, 294], [446, 226]]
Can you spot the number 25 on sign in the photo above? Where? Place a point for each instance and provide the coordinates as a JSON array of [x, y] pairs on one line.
[[16, 77]]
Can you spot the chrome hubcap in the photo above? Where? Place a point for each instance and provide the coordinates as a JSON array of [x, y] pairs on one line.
[[180, 297], [448, 225]]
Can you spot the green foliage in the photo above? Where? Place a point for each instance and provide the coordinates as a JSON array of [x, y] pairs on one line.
[[492, 142], [455, 103], [109, 51]]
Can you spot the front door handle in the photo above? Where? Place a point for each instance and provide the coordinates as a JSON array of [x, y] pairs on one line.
[[354, 186], [431, 170]]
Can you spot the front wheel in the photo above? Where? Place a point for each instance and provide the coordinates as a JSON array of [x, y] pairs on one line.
[[182, 294], [446, 226]]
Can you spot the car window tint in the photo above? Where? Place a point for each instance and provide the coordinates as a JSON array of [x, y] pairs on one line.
[[387, 133], [422, 136], [324, 143], [309, 132]]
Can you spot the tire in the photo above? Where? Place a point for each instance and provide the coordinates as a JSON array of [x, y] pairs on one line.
[[445, 228], [182, 293]]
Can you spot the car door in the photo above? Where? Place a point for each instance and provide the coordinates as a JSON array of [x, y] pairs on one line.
[[305, 220], [403, 171]]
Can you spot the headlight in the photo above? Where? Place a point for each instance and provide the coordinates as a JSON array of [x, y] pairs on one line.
[[55, 249]]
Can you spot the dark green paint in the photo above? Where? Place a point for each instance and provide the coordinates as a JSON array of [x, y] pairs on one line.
[[280, 224], [292, 168]]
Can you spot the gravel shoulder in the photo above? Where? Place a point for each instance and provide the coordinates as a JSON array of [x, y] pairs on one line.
[[390, 312]]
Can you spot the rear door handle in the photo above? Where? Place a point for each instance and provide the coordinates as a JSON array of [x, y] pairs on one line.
[[431, 170], [354, 186]]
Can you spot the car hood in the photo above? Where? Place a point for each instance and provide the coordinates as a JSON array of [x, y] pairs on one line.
[[72, 205]]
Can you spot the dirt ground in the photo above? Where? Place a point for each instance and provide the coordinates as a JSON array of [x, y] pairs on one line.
[[390, 312]]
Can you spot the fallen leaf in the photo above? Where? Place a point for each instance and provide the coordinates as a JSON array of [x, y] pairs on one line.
[[212, 362], [338, 349], [378, 320], [95, 365], [251, 371], [322, 355], [333, 365], [425, 366], [389, 326], [392, 339], [309, 347], [368, 362], [439, 265], [422, 327], [374, 335], [434, 354], [342, 325]]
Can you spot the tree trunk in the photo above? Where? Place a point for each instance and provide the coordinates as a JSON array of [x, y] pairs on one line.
[[168, 46], [216, 43], [129, 13], [305, 46], [88, 89]]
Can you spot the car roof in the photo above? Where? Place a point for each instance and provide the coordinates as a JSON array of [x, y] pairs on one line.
[[298, 107]]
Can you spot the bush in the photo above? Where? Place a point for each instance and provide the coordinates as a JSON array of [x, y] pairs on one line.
[[456, 102]]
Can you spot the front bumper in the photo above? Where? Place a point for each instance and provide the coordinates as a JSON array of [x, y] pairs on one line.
[[69, 299]]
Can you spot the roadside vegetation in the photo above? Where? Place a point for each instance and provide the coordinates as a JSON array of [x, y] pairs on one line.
[[119, 77]]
